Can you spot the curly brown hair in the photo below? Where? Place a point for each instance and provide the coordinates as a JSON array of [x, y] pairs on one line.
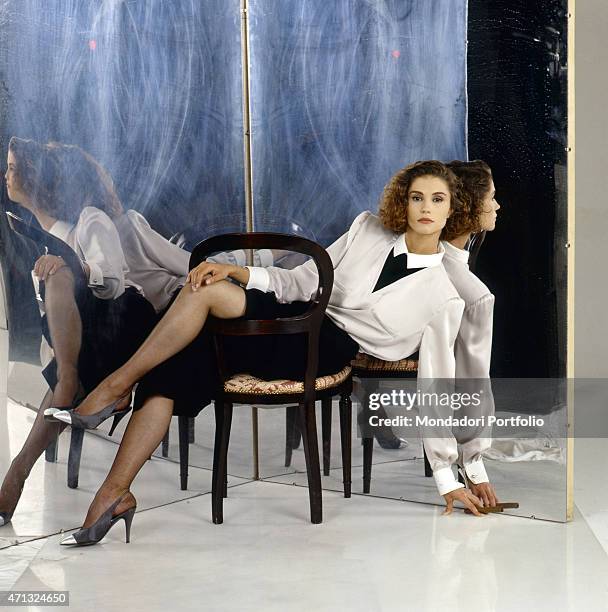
[[63, 179], [393, 203], [476, 179]]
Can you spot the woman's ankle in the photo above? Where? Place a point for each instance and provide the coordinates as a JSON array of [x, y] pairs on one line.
[[118, 385]]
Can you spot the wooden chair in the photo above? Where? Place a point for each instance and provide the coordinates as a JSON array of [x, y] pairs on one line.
[[249, 390], [49, 244]]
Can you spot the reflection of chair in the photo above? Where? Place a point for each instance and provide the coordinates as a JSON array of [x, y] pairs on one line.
[[250, 390], [54, 246]]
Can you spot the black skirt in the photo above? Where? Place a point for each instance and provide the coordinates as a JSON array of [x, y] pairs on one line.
[[112, 330], [191, 377]]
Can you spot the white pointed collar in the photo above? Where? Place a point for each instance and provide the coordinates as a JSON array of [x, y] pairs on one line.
[[61, 230], [455, 253], [415, 260]]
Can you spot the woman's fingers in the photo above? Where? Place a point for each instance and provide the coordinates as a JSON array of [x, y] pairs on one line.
[[57, 264], [197, 275], [47, 265], [474, 499], [207, 273], [471, 506], [43, 270]]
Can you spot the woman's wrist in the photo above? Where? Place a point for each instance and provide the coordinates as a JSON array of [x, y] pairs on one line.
[[239, 274]]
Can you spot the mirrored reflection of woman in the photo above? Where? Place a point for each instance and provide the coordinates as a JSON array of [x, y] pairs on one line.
[[114, 314], [473, 346], [391, 297], [92, 329]]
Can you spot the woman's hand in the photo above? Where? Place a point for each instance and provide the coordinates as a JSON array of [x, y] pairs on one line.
[[466, 498], [208, 273], [47, 265], [485, 492]]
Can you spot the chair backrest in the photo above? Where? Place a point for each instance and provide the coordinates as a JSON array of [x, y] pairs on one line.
[[48, 244], [307, 323]]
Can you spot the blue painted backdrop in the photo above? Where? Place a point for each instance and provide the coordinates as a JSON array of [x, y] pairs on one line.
[[151, 88], [344, 93]]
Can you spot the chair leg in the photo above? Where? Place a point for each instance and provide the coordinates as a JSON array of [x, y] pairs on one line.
[[165, 445], [428, 472], [346, 427], [297, 435], [184, 451], [368, 452], [291, 424], [50, 454], [367, 439], [223, 421], [326, 433], [308, 427], [76, 442], [191, 430]]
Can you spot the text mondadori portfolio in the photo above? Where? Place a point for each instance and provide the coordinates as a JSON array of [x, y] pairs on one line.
[[452, 421]]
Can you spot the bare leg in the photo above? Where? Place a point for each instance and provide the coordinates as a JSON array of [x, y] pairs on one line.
[[178, 328], [144, 433], [40, 436], [66, 333]]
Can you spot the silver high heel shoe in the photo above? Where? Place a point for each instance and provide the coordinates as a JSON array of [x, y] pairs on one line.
[[98, 530], [92, 421], [49, 413]]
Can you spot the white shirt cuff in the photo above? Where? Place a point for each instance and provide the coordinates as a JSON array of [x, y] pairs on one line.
[[445, 480], [95, 275], [476, 472], [258, 278], [266, 257]]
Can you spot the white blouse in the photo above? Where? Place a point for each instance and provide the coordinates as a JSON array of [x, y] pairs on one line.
[[96, 242], [421, 311], [473, 349]]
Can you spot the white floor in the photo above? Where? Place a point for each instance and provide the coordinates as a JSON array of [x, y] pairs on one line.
[[368, 554]]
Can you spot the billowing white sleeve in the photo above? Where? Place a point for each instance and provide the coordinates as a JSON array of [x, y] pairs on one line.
[[473, 355], [98, 241], [261, 258], [301, 283], [158, 249], [436, 370], [474, 340]]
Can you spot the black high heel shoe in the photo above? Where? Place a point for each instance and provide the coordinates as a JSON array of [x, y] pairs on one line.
[[92, 421], [98, 530]]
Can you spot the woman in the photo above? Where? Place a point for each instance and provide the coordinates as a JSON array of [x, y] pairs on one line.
[[473, 345], [92, 329], [73, 198], [381, 264]]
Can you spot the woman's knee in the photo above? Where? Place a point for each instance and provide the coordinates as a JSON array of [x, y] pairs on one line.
[[223, 298], [62, 278]]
